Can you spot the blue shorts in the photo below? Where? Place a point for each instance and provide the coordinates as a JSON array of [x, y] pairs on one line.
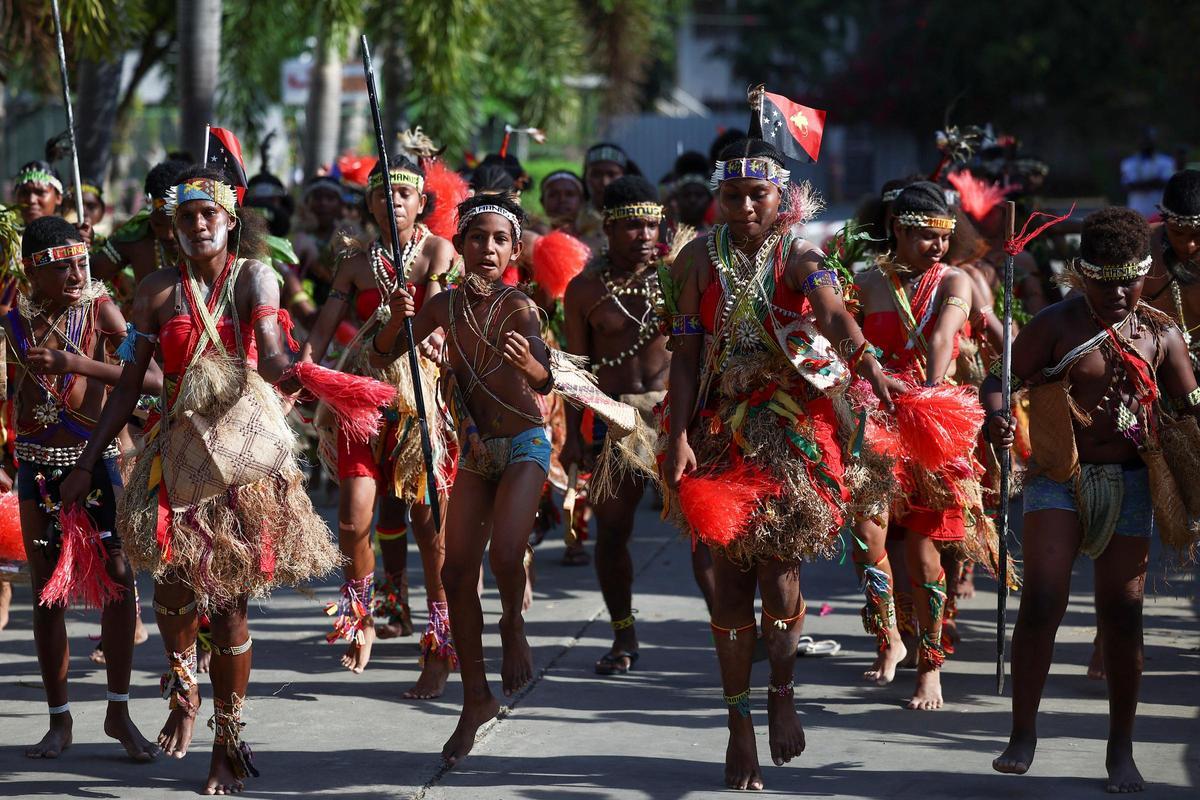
[[1135, 519], [493, 456], [106, 479]]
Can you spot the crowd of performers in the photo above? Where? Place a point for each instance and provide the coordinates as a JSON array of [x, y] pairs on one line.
[[788, 402]]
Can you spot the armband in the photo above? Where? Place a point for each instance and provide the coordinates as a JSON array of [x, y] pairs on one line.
[[338, 294], [128, 349], [861, 353], [546, 386], [375, 347], [1016, 383], [959, 303], [109, 251], [686, 325], [1188, 401], [819, 279]]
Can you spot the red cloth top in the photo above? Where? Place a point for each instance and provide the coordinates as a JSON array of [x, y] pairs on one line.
[[174, 338], [366, 301], [883, 329], [714, 295]]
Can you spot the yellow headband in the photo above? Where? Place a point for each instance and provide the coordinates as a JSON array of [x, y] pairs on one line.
[[925, 221], [401, 177], [634, 211]]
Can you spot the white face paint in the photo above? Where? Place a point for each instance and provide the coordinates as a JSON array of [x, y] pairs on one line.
[[214, 239]]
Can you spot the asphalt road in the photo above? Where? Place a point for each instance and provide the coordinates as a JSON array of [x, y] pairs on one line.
[[657, 733]]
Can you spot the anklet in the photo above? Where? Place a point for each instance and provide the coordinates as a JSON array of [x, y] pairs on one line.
[[741, 702], [116, 697], [226, 724], [787, 690], [64, 708], [783, 623], [236, 650], [733, 632], [622, 624]]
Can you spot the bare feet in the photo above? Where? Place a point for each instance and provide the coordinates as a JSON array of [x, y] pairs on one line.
[[472, 718], [1123, 775], [928, 694], [203, 659], [396, 627], [118, 725], [1095, 671], [97, 655], [56, 740], [1017, 757], [516, 665], [883, 671], [432, 682], [741, 755], [176, 733], [140, 634], [221, 778], [357, 655], [5, 602], [966, 582], [785, 733]]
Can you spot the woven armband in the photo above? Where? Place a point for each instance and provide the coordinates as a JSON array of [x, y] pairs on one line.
[[996, 371], [959, 303], [686, 325], [1188, 401], [819, 279], [338, 294]]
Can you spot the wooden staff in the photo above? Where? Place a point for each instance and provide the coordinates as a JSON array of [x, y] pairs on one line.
[[413, 364], [1010, 215]]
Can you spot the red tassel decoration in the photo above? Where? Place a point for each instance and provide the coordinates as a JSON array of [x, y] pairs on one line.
[[354, 399], [511, 276], [938, 424], [448, 189], [79, 576], [977, 196], [557, 258], [12, 545], [718, 506]]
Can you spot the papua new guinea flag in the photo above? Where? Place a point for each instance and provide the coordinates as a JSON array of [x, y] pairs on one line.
[[225, 154], [795, 129]]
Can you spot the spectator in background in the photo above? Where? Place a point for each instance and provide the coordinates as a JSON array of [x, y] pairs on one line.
[[1145, 173]]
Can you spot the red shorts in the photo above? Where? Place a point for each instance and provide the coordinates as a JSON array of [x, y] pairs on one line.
[[941, 526], [367, 459]]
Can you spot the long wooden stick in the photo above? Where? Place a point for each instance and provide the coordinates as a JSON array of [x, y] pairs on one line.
[[1010, 214], [66, 90], [413, 363]]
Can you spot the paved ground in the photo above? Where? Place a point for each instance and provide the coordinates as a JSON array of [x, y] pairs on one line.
[[658, 733]]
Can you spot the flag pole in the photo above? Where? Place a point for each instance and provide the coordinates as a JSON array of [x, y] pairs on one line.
[[1010, 214], [66, 89], [207, 134]]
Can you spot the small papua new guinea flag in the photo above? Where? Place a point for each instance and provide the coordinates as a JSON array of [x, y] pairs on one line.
[[225, 154], [795, 129]]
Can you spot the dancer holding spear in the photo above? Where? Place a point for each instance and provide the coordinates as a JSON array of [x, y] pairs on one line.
[[400, 467]]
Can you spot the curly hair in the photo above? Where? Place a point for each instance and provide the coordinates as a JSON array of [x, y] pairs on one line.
[[506, 201], [629, 189], [1182, 193], [47, 232], [1114, 235], [162, 176], [752, 148]]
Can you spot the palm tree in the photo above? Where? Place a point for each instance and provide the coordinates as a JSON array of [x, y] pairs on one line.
[[323, 116], [199, 23]]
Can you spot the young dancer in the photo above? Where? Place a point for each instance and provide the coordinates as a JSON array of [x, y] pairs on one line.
[[57, 337]]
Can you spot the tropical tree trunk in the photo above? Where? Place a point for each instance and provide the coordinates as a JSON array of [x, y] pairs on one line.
[[96, 115], [199, 23], [395, 86], [324, 113]]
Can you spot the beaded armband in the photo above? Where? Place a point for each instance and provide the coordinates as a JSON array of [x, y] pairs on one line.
[[1188, 401], [338, 294], [1017, 384], [109, 251], [959, 303], [819, 279], [686, 325]]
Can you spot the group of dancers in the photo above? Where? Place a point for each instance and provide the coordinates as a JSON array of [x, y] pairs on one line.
[[787, 401]]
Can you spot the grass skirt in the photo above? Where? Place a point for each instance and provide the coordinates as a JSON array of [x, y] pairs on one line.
[[245, 540]]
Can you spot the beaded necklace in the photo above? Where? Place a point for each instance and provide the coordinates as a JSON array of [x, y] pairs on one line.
[[386, 277], [76, 337], [748, 287], [641, 283]]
